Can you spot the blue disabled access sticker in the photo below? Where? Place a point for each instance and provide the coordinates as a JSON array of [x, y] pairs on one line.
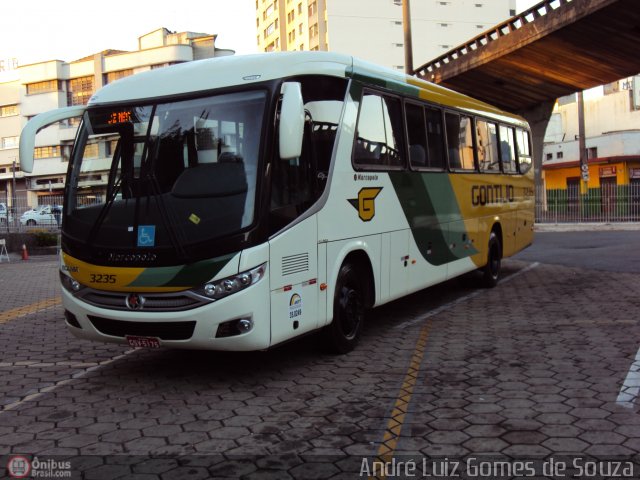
[[146, 235]]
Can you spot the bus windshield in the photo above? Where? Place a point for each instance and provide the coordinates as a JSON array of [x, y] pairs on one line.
[[176, 174]]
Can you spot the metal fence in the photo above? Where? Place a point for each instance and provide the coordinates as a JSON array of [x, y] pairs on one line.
[[605, 204], [19, 215]]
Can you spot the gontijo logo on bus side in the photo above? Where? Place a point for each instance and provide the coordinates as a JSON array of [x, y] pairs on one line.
[[365, 203]]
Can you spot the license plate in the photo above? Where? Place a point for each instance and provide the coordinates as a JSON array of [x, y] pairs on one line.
[[143, 342]]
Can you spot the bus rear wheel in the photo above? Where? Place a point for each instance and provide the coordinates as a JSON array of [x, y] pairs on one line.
[[491, 271], [343, 334]]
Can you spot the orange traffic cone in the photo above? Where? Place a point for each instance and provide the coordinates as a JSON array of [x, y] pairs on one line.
[[25, 252]]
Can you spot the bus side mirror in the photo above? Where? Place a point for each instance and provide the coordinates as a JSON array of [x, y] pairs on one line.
[[37, 123], [291, 127]]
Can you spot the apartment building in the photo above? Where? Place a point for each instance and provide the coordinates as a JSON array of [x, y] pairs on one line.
[[44, 86], [612, 139], [372, 29]]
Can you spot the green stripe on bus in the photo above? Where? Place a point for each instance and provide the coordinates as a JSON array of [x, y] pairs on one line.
[[429, 202], [183, 276]]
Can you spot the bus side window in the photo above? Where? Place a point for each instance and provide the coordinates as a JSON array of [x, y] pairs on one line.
[[435, 138], [524, 150], [379, 143], [487, 146], [417, 135], [459, 141], [507, 149]]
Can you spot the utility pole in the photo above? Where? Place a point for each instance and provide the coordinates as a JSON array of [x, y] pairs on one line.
[[582, 141], [13, 192], [408, 46]]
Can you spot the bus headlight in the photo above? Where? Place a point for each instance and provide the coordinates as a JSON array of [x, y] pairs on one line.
[[230, 285], [70, 284]]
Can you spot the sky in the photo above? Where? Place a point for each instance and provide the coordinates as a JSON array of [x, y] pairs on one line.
[[39, 30]]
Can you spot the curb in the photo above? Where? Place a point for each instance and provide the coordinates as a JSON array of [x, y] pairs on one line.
[[587, 227]]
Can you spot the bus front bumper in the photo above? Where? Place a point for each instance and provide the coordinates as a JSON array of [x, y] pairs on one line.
[[213, 326]]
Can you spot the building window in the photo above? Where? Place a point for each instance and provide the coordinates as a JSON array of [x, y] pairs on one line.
[[444, 3], [10, 142], [43, 87], [8, 110], [291, 16], [398, 44], [300, 29], [559, 155], [267, 12], [51, 151], [313, 8], [292, 36], [443, 25], [91, 150], [299, 8], [549, 156], [269, 30], [113, 76], [313, 30], [478, 5], [80, 90], [480, 27], [397, 2], [592, 152]]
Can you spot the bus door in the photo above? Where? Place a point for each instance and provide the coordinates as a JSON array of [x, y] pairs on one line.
[[294, 246]]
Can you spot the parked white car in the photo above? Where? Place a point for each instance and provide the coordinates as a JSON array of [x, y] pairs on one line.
[[4, 214], [50, 215]]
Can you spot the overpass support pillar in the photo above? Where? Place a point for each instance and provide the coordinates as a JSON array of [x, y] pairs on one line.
[[538, 118]]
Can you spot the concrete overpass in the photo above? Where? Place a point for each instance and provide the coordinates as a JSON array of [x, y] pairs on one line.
[[555, 48]]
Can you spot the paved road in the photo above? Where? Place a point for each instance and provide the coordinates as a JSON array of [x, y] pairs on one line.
[[615, 251], [546, 364]]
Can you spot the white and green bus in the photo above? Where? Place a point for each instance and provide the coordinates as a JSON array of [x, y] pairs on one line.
[[239, 202]]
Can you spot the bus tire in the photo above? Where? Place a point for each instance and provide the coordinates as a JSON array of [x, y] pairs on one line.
[[343, 334], [491, 271]]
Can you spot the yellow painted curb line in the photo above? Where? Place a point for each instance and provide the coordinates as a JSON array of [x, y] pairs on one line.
[[28, 309], [401, 406]]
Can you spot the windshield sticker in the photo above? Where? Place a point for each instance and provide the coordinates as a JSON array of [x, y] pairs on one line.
[[146, 235], [194, 218], [295, 306]]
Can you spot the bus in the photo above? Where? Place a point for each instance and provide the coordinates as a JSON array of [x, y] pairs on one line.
[[239, 202]]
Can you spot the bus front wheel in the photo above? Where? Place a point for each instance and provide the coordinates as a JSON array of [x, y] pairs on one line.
[[343, 333], [491, 271]]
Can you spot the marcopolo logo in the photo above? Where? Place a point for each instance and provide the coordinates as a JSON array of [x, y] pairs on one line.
[[19, 466], [365, 203]]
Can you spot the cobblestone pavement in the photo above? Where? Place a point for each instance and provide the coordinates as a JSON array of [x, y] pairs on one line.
[[546, 365]]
